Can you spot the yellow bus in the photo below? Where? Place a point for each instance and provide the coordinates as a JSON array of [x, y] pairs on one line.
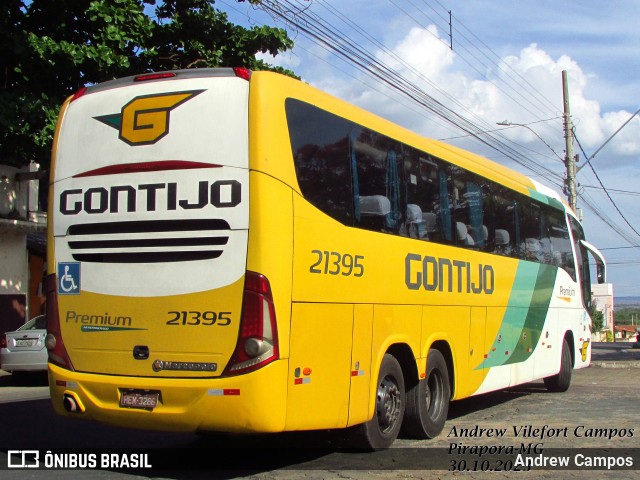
[[238, 251]]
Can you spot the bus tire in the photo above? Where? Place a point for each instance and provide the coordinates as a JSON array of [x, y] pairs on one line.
[[561, 381], [382, 430], [428, 401]]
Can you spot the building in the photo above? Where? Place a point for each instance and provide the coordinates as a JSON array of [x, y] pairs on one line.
[[602, 295], [23, 227], [626, 333]]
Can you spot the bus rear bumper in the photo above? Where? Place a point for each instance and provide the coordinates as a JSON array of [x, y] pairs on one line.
[[250, 403]]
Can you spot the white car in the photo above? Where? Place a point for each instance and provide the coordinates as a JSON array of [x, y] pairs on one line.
[[23, 349]]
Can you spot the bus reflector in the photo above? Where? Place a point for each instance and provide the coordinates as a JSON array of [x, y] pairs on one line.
[[258, 338], [222, 392], [244, 73]]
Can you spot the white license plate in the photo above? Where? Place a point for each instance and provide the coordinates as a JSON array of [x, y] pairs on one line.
[[147, 399], [25, 343]]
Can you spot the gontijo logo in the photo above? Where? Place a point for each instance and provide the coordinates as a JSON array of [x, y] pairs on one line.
[[145, 119]]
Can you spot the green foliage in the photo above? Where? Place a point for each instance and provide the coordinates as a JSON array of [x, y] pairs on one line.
[[627, 316], [597, 318], [51, 48]]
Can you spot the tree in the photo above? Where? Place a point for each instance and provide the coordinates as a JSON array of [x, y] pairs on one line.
[[597, 317], [51, 48]]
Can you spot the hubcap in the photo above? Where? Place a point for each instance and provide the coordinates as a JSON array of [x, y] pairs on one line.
[[388, 404], [434, 394]]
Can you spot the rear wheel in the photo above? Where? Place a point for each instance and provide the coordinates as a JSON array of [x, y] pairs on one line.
[[561, 381], [382, 430], [428, 401]]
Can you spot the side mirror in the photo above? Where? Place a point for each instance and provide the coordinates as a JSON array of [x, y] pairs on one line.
[[601, 265]]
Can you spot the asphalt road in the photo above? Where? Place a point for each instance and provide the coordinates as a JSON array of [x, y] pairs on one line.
[[599, 413]]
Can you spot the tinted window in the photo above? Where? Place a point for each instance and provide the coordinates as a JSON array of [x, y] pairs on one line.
[[535, 245], [363, 178], [582, 260], [320, 147], [429, 205], [470, 201], [506, 222], [561, 252], [378, 182]]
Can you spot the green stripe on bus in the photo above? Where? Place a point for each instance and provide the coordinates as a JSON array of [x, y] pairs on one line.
[[515, 316], [536, 315], [547, 200], [525, 315]]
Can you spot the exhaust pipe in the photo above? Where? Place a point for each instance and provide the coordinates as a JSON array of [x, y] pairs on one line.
[[72, 403]]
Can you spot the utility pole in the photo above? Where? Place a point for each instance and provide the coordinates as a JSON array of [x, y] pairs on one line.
[[568, 135]]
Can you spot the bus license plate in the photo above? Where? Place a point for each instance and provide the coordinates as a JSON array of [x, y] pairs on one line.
[[147, 399]]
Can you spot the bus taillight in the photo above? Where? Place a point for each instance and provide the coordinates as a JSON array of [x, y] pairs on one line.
[[79, 94], [154, 76], [53, 341], [258, 339], [241, 72]]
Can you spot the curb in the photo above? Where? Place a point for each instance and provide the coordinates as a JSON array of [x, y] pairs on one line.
[[616, 363]]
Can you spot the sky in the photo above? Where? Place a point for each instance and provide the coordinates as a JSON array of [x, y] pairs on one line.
[[502, 62]]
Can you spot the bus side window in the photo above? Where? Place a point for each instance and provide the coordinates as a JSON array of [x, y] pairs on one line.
[[545, 236], [582, 261], [505, 212], [377, 181], [469, 209], [320, 149], [445, 205], [423, 187], [531, 226], [561, 253]]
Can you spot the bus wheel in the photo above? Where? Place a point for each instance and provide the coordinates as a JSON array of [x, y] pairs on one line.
[[561, 381], [382, 430], [428, 401]]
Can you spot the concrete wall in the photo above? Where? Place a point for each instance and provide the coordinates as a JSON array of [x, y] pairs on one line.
[[14, 279], [602, 294]]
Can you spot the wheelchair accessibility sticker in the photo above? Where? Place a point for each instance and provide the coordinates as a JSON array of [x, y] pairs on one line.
[[69, 278]]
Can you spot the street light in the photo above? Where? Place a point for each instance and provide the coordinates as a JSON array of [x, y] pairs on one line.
[[507, 123], [568, 162]]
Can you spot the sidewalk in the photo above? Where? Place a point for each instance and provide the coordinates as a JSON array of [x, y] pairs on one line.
[[615, 355]]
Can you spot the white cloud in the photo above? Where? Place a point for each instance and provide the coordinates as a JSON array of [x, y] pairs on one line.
[[424, 58], [597, 51], [421, 50]]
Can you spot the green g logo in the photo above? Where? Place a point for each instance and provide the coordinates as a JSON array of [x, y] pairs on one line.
[[145, 119]]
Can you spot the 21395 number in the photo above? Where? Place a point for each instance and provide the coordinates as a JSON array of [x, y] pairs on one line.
[[334, 263], [221, 319]]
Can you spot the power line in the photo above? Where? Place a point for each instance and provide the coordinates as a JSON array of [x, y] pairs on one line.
[[316, 28], [621, 192], [606, 192], [346, 48], [473, 131], [494, 59]]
